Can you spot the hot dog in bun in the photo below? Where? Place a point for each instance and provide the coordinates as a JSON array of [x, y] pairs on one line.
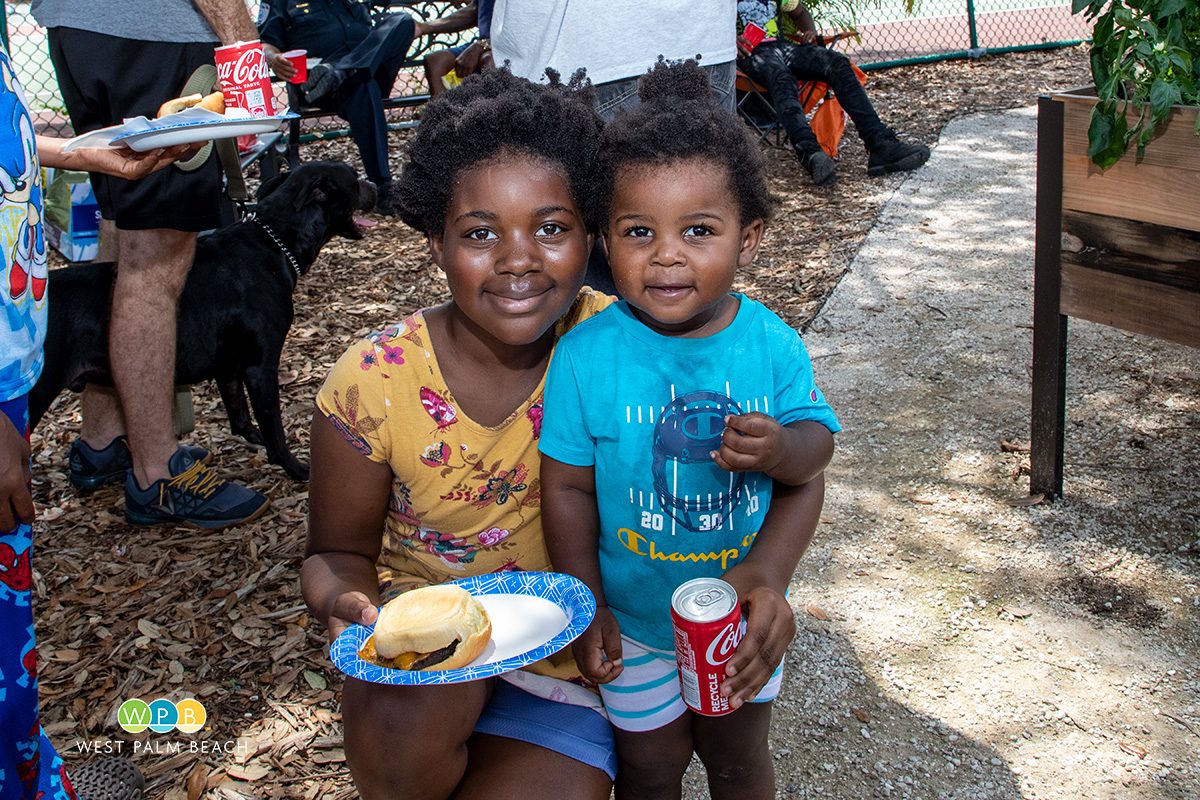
[[212, 102], [436, 627]]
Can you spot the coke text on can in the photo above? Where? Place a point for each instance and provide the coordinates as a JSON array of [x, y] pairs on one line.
[[708, 627]]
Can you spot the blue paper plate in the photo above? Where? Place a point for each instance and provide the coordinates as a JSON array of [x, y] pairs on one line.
[[200, 131], [533, 614]]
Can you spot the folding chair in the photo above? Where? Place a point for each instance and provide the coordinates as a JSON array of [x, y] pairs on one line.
[[754, 107], [420, 10], [828, 121]]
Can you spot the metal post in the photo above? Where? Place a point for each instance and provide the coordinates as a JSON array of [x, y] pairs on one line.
[[974, 51], [1049, 325]]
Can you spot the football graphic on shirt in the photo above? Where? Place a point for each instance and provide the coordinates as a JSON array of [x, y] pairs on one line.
[[688, 484]]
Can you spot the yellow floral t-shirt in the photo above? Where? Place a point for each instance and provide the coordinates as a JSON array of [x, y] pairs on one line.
[[466, 498]]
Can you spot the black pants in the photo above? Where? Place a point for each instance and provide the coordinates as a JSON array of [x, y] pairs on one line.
[[105, 79], [372, 67], [780, 65]]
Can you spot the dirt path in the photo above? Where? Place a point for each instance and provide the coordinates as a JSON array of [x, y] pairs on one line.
[[973, 648]]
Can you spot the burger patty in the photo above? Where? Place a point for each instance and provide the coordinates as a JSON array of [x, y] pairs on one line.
[[436, 656], [369, 654]]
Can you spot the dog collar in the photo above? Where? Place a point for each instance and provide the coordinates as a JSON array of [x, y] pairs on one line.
[[291, 258]]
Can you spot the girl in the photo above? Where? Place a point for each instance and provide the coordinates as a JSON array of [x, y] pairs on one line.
[[424, 462], [644, 486]]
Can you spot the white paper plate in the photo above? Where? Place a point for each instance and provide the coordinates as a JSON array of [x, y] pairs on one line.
[[533, 614], [199, 131]]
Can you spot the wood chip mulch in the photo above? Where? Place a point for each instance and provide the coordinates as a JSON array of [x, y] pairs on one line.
[[125, 612]]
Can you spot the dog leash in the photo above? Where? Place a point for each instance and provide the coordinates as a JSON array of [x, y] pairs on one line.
[[203, 81], [252, 217]]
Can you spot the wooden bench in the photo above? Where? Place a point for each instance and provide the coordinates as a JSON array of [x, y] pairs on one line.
[[418, 9], [298, 106]]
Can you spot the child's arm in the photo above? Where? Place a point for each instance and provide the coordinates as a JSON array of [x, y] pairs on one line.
[[347, 504], [571, 525], [795, 456], [791, 454], [761, 580]]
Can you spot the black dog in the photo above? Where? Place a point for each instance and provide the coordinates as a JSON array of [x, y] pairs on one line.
[[236, 306]]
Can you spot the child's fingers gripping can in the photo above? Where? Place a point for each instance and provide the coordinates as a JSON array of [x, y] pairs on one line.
[[708, 626]]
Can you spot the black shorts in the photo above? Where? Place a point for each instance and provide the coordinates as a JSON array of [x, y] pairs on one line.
[[105, 79]]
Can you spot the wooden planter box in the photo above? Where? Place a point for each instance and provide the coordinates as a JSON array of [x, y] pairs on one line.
[[1119, 246]]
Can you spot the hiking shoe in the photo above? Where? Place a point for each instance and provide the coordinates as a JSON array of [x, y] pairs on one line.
[[819, 166], [323, 80], [112, 778], [193, 495], [89, 469], [889, 154]]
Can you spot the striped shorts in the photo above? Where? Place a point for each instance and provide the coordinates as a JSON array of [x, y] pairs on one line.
[[645, 696]]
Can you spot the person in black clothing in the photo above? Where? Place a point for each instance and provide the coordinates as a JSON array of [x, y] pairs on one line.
[[779, 64], [360, 61]]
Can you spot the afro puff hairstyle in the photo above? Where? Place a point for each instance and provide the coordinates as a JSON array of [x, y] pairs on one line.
[[678, 119], [495, 113]]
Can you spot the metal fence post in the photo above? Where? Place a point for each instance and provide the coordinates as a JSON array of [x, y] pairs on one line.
[[974, 51]]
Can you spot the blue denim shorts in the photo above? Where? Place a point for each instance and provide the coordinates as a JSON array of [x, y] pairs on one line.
[[575, 731], [615, 95]]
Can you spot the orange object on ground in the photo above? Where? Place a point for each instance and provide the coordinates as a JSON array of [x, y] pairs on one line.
[[828, 122]]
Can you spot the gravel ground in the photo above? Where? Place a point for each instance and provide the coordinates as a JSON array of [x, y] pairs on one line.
[[955, 641]]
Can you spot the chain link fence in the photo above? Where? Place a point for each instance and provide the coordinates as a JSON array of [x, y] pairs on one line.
[[940, 29], [887, 36]]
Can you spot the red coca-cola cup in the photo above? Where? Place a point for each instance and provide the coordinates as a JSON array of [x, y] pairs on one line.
[[299, 59], [708, 626]]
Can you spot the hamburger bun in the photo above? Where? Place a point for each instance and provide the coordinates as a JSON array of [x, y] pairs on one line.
[[212, 102], [429, 621]]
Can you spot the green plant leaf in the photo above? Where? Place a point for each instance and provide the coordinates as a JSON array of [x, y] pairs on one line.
[[1146, 54], [1169, 8], [1163, 95], [1144, 135], [1106, 136], [1123, 16]]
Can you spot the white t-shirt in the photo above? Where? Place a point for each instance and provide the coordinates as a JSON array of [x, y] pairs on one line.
[[613, 40]]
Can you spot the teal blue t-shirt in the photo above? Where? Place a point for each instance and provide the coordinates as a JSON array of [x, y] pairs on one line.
[[646, 410]]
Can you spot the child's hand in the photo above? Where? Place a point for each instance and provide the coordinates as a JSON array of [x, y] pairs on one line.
[[602, 637], [770, 628], [752, 442], [351, 608]]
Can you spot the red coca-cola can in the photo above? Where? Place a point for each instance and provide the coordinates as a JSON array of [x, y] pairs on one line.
[[242, 74], [708, 626]]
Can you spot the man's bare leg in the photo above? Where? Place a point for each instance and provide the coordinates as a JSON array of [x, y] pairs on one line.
[[154, 265], [103, 419], [110, 242], [100, 406]]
